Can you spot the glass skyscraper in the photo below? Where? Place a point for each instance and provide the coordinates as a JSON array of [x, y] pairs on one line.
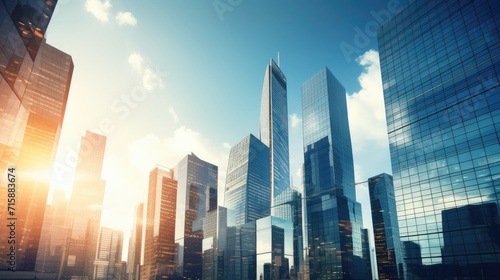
[[247, 199], [274, 127], [34, 86], [385, 226], [135, 246], [440, 63], [247, 191], [334, 221], [196, 196], [85, 208], [159, 239]]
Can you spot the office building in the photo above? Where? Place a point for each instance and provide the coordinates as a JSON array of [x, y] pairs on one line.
[[275, 255], [85, 208], [54, 234], [439, 62], [333, 216], [196, 196], [34, 86], [247, 190], [159, 242], [135, 246], [385, 226], [108, 261], [274, 127]]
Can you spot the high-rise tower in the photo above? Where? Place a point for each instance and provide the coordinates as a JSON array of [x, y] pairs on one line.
[[247, 191], [159, 244], [274, 127], [34, 86], [196, 196], [385, 227], [333, 216], [440, 68], [85, 208], [135, 246]]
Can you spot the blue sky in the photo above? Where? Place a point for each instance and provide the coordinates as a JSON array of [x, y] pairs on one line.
[[163, 78]]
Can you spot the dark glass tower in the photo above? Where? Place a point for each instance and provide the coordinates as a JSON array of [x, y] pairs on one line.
[[333, 216], [159, 241], [196, 196], [440, 63], [274, 127], [385, 226]]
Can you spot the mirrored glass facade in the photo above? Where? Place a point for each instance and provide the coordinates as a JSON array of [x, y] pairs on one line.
[[334, 221], [247, 190], [34, 87], [274, 127], [274, 248], [196, 195], [440, 63], [385, 226]]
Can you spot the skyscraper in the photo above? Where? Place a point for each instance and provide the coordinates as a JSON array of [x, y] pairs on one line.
[[333, 216], [196, 196], [159, 241], [247, 191], [54, 234], [440, 67], [247, 199], [34, 86], [274, 127], [135, 245], [108, 260], [385, 226], [85, 208]]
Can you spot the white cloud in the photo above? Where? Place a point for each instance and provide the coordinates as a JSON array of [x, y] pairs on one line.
[[367, 121], [294, 120], [135, 60], [100, 9], [173, 114], [150, 79], [226, 145], [145, 153], [126, 18]]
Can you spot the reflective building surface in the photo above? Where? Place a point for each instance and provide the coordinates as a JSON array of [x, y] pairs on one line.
[[247, 191], [385, 226], [274, 240], [85, 208], [274, 127], [34, 87], [334, 221], [159, 241], [440, 67], [135, 246], [196, 196]]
